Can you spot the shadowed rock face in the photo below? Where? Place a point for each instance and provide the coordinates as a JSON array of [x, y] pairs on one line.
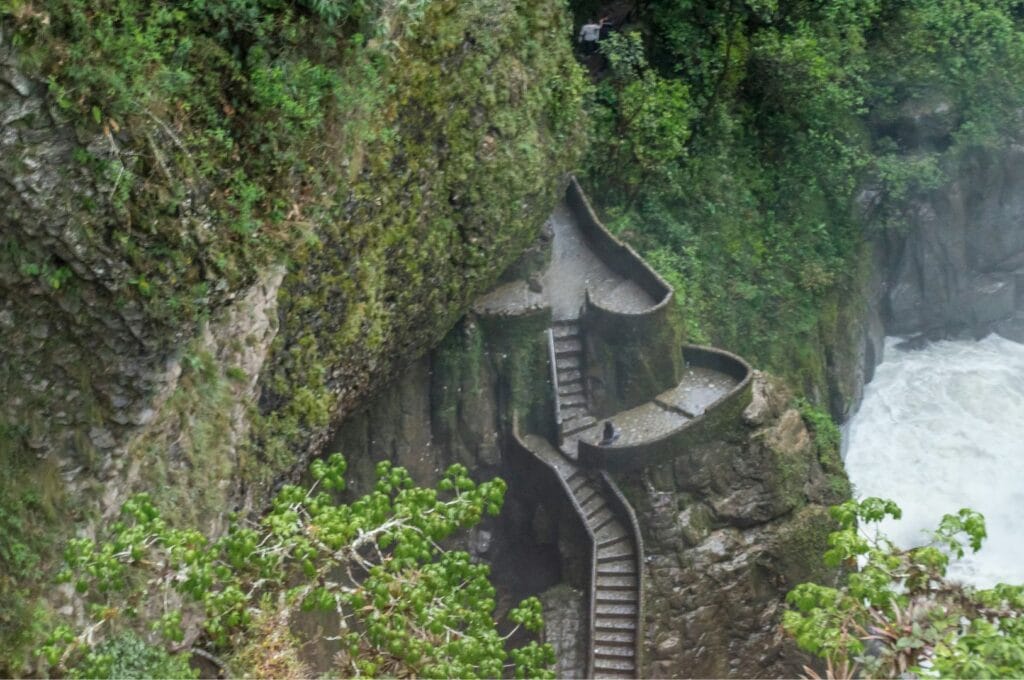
[[960, 269]]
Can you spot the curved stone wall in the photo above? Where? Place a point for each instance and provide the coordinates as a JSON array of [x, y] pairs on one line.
[[630, 349], [622, 259], [723, 412]]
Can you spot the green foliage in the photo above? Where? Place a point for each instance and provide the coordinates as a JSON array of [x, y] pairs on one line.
[[393, 156], [404, 604], [731, 140], [827, 437], [900, 602], [30, 498], [431, 208], [827, 441], [128, 656]]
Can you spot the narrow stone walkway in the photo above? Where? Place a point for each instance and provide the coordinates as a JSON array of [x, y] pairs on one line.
[[616, 612], [574, 267], [699, 388]]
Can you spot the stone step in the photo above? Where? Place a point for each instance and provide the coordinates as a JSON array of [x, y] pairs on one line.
[[622, 610], [573, 400], [593, 504], [604, 624], [597, 526], [568, 345], [617, 568], [610, 531], [614, 664], [586, 493], [614, 651], [608, 542], [615, 557], [616, 636], [561, 329], [570, 412], [568, 375], [578, 482], [570, 449], [616, 582], [568, 389], [598, 514], [567, 362], [604, 595], [577, 424]]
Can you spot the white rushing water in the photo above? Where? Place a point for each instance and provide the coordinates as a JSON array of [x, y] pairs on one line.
[[941, 429]]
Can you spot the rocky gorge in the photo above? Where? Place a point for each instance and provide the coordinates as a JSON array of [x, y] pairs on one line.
[[160, 350]]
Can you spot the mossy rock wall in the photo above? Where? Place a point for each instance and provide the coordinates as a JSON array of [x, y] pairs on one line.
[[133, 248]]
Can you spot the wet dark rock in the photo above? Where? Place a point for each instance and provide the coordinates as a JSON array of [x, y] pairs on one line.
[[1011, 328], [739, 522], [565, 618], [956, 270]]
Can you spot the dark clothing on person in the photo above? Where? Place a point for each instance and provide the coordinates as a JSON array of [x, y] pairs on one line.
[[610, 434]]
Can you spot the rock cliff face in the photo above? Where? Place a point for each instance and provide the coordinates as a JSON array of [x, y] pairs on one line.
[[959, 269], [729, 527], [106, 390]]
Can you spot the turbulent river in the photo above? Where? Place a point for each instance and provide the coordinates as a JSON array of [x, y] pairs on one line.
[[943, 428]]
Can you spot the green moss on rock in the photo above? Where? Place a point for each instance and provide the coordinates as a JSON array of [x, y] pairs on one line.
[[442, 206]]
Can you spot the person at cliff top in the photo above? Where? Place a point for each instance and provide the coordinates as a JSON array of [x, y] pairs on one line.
[[590, 34]]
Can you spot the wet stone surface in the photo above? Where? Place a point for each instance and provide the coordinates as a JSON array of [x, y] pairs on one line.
[[643, 423], [510, 299], [699, 388], [573, 269]]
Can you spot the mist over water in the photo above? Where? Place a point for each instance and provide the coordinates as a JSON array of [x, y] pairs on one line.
[[941, 429]]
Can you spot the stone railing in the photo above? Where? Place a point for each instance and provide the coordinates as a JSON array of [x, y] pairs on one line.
[[625, 512], [543, 473], [632, 348], [722, 413], [553, 362], [619, 257]]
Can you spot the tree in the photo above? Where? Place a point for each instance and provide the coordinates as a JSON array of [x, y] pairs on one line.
[[404, 605], [898, 613]]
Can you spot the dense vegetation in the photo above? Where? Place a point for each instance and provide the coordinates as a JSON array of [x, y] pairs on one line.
[[731, 141], [394, 156], [392, 600], [898, 614]]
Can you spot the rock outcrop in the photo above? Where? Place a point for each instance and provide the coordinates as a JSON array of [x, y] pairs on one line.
[[729, 527], [108, 385]]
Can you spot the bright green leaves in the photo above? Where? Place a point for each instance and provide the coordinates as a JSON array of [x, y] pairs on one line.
[[330, 473], [901, 600], [850, 513], [528, 615], [404, 602], [966, 521]]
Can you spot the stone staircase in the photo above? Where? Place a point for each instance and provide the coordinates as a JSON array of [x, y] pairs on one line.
[[572, 387], [615, 603], [616, 587]]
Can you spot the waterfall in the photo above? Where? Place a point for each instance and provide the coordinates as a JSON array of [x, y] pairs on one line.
[[943, 428]]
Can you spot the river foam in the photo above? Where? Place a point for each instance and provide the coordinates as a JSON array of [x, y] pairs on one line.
[[940, 429]]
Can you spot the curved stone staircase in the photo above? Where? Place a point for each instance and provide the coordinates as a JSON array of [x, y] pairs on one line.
[[616, 604]]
